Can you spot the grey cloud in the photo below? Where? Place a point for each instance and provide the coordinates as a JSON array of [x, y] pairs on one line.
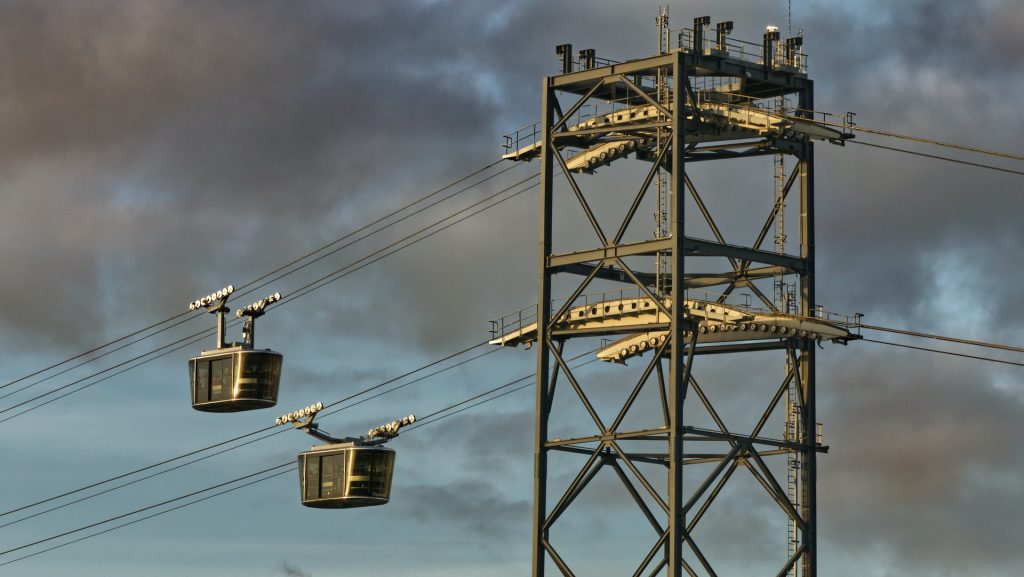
[[495, 444], [921, 452], [290, 570], [138, 122], [887, 217], [154, 152], [474, 507]]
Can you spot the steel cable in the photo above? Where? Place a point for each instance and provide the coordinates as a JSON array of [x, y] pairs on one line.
[[951, 353], [426, 420], [256, 432], [157, 514], [937, 157], [290, 466], [985, 344], [281, 268], [922, 140], [300, 292]]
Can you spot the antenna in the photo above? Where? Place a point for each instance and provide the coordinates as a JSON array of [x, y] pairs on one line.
[[662, 22]]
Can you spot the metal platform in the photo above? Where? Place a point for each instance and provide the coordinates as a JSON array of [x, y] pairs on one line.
[[715, 323], [719, 116]]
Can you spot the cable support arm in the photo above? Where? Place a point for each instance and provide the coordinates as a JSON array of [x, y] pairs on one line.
[[303, 420], [253, 312], [215, 303]]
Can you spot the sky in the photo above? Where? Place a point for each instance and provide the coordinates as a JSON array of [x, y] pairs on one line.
[[155, 151]]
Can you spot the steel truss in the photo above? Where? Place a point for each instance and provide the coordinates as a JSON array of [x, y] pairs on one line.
[[686, 132]]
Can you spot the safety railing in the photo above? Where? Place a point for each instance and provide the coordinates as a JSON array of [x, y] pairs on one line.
[[524, 137], [584, 62], [513, 321], [742, 50]]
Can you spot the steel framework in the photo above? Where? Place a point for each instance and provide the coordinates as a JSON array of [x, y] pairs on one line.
[[709, 98]]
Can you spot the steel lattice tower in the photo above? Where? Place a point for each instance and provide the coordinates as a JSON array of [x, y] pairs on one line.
[[707, 99]]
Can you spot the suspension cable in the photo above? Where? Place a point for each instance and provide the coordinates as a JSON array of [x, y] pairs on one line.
[[962, 147], [289, 464], [256, 432], [937, 157], [951, 353], [150, 516], [944, 338], [302, 291], [251, 441], [285, 266]]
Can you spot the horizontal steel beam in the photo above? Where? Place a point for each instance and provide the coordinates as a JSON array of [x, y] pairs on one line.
[[697, 460], [585, 79], [609, 272], [742, 347], [692, 246], [699, 156], [662, 458], [601, 254], [713, 435], [698, 247], [642, 435], [694, 280], [651, 459]]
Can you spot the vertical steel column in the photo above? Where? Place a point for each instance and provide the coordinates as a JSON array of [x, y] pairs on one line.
[[678, 373], [221, 325], [809, 474], [540, 456]]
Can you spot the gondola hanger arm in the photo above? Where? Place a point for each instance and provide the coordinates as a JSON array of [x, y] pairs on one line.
[[303, 419]]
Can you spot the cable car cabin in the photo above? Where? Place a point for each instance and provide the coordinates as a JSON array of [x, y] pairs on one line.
[[344, 475], [235, 379]]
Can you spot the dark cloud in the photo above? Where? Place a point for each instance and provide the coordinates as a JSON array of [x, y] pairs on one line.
[[920, 447], [225, 129], [153, 152], [290, 570], [474, 507], [934, 70]]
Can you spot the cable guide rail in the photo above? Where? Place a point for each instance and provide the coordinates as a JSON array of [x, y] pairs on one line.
[[645, 322], [630, 123]]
